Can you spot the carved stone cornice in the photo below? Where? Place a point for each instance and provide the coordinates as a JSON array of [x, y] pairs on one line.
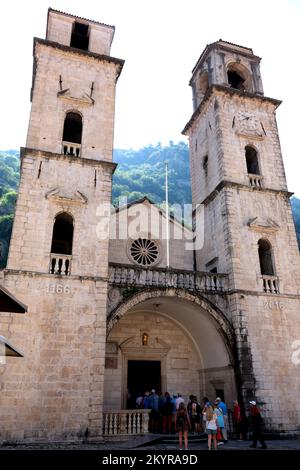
[[260, 224], [156, 347], [83, 100], [39, 153], [57, 195], [215, 89]]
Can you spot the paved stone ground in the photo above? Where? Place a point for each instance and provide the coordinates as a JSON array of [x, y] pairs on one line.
[[280, 444], [233, 445]]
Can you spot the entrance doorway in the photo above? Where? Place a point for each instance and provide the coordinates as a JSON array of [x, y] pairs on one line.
[[142, 376]]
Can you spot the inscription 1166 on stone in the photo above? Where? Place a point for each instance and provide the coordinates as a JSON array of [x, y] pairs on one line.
[[53, 288]]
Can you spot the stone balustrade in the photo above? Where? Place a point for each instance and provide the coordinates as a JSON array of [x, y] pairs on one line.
[[162, 277], [69, 148], [60, 264], [270, 284], [255, 180], [125, 422]]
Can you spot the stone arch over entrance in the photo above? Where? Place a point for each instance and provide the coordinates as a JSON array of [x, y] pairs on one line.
[[212, 310], [191, 338]]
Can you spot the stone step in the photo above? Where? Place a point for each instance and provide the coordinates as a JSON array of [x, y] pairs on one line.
[[140, 441], [152, 438], [170, 438]]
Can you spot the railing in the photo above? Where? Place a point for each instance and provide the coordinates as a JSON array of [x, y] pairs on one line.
[[69, 148], [125, 422], [270, 284], [255, 180], [160, 277], [60, 264]]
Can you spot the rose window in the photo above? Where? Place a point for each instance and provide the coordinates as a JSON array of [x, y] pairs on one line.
[[144, 251]]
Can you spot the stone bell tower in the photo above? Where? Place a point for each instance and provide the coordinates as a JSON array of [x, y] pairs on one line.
[[58, 260], [67, 163], [238, 177]]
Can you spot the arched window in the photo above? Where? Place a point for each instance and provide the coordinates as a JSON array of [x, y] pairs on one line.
[[265, 258], [62, 238], [72, 134], [72, 128], [239, 77], [251, 160]]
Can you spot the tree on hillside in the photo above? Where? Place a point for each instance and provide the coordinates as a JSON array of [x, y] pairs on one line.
[[6, 222], [8, 202], [139, 173], [296, 215]]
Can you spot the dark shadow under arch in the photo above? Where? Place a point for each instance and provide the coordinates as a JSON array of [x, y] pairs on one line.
[[224, 326]]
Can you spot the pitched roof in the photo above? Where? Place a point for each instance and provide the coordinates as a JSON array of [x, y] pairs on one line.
[[9, 349], [9, 303], [133, 203], [160, 210], [227, 46]]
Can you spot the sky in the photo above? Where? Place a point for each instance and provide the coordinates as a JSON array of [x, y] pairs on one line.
[[160, 41]]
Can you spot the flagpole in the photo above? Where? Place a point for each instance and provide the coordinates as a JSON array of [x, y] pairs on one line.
[[167, 218]]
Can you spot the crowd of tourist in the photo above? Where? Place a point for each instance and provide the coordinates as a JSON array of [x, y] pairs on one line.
[[170, 414]]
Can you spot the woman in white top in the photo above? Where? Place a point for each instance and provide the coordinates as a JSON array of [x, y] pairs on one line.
[[211, 426]]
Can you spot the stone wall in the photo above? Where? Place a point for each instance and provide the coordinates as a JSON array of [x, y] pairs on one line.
[[78, 72], [146, 220], [237, 216], [216, 60], [250, 219], [180, 320], [214, 252], [273, 326], [60, 29], [51, 184], [220, 133], [243, 121], [55, 391], [167, 343], [219, 378]]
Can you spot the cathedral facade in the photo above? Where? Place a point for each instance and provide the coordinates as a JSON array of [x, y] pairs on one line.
[[114, 306]]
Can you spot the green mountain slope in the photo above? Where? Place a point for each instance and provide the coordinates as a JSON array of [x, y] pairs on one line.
[[142, 173], [9, 180], [296, 214], [139, 173]]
